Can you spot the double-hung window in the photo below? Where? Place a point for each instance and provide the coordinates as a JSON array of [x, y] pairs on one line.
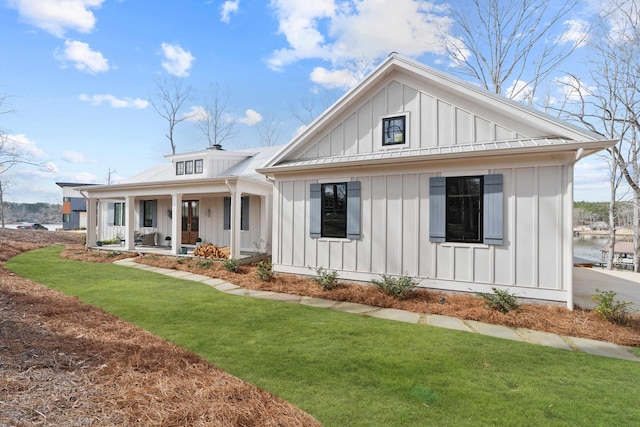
[[335, 210], [118, 214], [188, 167], [466, 209], [148, 209], [244, 213], [179, 168], [198, 165]]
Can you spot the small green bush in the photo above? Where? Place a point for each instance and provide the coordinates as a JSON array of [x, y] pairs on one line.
[[204, 263], [397, 287], [264, 271], [501, 300], [113, 254], [182, 260], [614, 311], [231, 264], [328, 279]]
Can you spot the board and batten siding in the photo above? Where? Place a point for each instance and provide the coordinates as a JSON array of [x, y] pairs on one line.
[[435, 118], [395, 232]]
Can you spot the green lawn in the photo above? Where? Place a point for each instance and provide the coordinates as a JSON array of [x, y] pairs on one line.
[[349, 370]]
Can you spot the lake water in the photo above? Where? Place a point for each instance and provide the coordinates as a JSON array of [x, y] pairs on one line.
[[588, 247], [51, 227]]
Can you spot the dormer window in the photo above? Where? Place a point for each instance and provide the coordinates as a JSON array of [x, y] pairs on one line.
[[179, 168], [394, 130], [199, 165], [188, 167]]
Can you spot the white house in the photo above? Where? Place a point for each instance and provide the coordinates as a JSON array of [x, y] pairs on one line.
[[414, 172], [213, 194]]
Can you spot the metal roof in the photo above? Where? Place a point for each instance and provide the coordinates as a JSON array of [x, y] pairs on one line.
[[433, 153]]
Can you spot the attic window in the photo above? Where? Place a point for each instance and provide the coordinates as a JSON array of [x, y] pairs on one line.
[[179, 168], [393, 130], [198, 165], [188, 167]]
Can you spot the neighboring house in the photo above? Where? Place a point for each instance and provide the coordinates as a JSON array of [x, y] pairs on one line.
[[417, 173], [213, 194], [74, 206]]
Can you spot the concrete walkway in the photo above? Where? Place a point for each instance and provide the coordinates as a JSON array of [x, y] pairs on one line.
[[597, 348]]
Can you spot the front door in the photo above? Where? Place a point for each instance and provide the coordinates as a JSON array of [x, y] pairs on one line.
[[190, 221]]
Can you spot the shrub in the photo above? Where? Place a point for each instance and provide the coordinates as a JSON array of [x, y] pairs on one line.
[[328, 279], [397, 287], [232, 265], [182, 260], [613, 311], [113, 254], [264, 271], [501, 300], [204, 263]]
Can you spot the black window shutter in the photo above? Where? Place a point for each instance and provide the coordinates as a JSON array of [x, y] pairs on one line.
[[492, 210], [437, 208], [315, 211]]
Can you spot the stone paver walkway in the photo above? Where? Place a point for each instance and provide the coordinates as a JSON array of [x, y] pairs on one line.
[[598, 348]]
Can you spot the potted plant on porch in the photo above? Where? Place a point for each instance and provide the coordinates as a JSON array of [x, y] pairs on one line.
[[198, 241], [168, 240]]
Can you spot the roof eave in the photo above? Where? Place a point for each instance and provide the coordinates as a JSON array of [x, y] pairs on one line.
[[587, 148]]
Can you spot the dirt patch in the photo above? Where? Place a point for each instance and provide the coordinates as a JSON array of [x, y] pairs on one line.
[[66, 363], [542, 317]]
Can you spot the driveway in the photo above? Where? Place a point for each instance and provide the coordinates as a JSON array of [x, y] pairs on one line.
[[626, 284]]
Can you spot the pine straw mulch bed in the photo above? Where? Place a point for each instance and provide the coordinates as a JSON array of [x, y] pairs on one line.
[[541, 317], [63, 362]]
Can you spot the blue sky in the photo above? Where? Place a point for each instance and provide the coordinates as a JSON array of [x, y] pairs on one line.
[[78, 75]]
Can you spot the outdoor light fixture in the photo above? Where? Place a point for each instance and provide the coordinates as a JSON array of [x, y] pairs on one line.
[[169, 212], [208, 213]]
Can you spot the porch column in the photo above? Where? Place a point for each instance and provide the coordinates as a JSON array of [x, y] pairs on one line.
[[265, 221], [129, 228], [91, 222], [234, 226], [176, 223]]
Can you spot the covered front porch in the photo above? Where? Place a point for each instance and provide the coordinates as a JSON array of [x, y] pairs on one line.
[[166, 217]]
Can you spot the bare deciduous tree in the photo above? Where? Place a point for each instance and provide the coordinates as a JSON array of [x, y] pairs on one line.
[[215, 120], [610, 108], [170, 101], [269, 129], [509, 46]]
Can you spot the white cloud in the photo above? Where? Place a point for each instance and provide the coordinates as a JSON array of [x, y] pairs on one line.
[[336, 79], [196, 114], [227, 8], [345, 32], [73, 157], [572, 88], [83, 58], [23, 146], [577, 32], [58, 16], [114, 101], [519, 91], [177, 61], [250, 118]]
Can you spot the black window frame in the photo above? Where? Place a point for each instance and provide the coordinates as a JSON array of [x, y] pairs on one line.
[[179, 168], [389, 136], [147, 213], [198, 166], [188, 167], [333, 215], [464, 209]]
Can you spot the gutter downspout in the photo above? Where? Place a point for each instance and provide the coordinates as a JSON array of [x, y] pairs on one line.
[[568, 234]]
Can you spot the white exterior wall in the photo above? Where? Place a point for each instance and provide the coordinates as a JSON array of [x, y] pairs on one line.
[[395, 236], [435, 118]]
